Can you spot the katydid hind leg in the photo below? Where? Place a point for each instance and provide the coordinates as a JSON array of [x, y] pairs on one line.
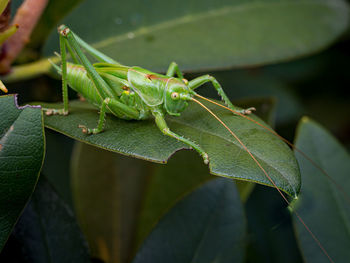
[[63, 111], [101, 120], [94, 52], [162, 125], [117, 108], [174, 69], [101, 86], [197, 82]]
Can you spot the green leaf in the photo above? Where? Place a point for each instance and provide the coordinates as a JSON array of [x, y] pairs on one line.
[[107, 191], [142, 139], [56, 167], [22, 147], [321, 204], [210, 34], [47, 231], [168, 183], [208, 225], [270, 229]]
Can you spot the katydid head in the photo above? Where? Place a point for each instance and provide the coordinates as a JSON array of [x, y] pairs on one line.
[[176, 96]]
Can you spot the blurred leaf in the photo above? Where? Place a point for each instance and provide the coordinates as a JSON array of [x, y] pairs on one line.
[[298, 70], [184, 172], [208, 225], [227, 156], [321, 204], [46, 232], [271, 235], [21, 156], [245, 189], [107, 191], [57, 164], [207, 34]]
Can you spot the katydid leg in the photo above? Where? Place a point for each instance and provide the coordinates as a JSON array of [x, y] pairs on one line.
[[162, 125], [174, 69], [195, 83], [102, 87], [119, 109], [63, 111], [94, 52], [101, 120]]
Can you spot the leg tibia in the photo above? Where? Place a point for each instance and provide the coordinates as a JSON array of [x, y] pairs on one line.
[[116, 108], [63, 111], [160, 121], [101, 121]]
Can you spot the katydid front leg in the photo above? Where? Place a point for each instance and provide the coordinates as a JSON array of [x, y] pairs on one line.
[[162, 125], [195, 83]]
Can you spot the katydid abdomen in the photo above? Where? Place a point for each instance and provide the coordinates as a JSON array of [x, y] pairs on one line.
[[79, 81]]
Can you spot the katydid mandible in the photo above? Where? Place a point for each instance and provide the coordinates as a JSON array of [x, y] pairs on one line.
[[130, 93]]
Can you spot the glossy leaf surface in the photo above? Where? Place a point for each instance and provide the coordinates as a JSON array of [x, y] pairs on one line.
[[321, 203], [21, 155]]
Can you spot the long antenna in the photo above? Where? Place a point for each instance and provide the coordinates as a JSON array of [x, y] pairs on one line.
[[268, 177], [338, 186]]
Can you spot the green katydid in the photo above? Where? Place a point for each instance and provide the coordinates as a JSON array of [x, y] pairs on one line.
[[137, 93], [129, 92]]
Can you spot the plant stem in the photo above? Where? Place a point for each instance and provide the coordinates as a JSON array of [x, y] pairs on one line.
[[30, 70], [26, 17]]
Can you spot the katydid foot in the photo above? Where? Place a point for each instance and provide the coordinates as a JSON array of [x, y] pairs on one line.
[[50, 112], [248, 111], [87, 130], [205, 158]]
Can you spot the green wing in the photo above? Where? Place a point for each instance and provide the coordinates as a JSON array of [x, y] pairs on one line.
[[148, 85]]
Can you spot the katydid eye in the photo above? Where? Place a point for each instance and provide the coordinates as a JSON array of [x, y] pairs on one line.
[[174, 95]]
